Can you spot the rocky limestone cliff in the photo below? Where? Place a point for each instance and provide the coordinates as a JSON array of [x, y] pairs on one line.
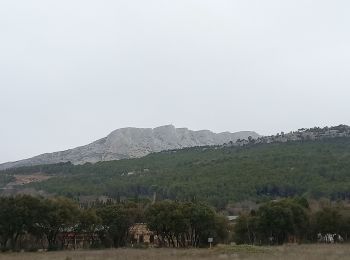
[[132, 143]]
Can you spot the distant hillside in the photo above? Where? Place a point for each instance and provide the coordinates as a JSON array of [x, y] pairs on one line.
[[133, 143], [303, 134], [219, 175]]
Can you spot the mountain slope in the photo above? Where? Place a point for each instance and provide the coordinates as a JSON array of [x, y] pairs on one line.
[[133, 143], [218, 175]]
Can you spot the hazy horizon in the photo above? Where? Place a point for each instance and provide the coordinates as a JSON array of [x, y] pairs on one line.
[[73, 71]]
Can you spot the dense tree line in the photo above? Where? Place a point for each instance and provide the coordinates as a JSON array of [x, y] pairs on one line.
[[186, 224], [21, 216], [32, 223], [290, 220], [216, 175]]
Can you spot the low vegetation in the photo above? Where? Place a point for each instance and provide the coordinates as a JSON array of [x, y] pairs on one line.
[[302, 252], [216, 175]]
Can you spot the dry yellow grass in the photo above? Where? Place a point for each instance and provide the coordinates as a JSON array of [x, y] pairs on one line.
[[295, 252]]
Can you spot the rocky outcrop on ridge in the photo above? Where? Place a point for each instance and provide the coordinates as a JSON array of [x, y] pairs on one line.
[[133, 143]]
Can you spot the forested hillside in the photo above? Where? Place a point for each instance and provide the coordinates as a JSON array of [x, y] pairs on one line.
[[217, 175]]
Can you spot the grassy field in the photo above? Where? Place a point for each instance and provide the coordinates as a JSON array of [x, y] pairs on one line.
[[299, 252]]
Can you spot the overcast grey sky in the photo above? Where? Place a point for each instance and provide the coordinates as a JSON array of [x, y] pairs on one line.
[[72, 71]]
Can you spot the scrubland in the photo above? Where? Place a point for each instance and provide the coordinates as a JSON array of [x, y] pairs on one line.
[[299, 252]]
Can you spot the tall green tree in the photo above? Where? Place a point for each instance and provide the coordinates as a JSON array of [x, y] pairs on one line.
[[18, 216], [185, 224], [59, 215], [274, 222], [116, 220]]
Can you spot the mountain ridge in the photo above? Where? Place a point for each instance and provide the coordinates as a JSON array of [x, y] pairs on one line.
[[131, 142]]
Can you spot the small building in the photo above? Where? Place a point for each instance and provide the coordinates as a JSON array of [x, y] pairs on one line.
[[76, 240], [140, 234]]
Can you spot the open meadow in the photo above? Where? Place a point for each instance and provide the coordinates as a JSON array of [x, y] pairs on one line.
[[299, 252]]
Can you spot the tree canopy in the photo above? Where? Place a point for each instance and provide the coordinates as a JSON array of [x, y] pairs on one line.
[[215, 175]]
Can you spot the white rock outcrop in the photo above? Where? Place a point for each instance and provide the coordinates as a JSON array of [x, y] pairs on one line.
[[133, 143]]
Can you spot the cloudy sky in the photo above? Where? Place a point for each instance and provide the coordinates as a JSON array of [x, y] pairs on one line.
[[72, 71]]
